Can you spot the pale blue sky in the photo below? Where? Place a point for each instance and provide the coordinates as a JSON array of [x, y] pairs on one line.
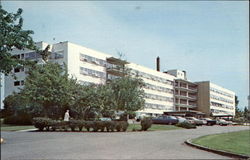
[[208, 39]]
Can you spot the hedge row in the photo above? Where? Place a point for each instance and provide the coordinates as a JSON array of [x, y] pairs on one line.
[[46, 123], [186, 125]]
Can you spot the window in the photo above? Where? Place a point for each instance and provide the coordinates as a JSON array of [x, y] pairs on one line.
[[16, 70], [22, 82], [17, 83], [22, 56]]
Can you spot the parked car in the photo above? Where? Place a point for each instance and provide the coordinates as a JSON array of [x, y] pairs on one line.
[[222, 122], [210, 122], [203, 121], [195, 121], [139, 117], [165, 120], [182, 119], [105, 119]]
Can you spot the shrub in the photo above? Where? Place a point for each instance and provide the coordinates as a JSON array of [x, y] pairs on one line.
[[80, 124], [186, 125], [73, 124], [121, 125], [110, 125], [118, 126], [41, 122], [96, 125], [54, 124], [88, 125], [146, 123]]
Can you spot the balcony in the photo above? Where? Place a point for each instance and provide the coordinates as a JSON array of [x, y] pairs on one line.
[[186, 97], [186, 105], [117, 71], [186, 89]]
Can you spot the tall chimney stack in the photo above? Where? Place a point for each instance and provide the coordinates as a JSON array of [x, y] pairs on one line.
[[158, 64]]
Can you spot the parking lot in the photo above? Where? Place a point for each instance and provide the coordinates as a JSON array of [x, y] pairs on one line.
[[116, 145]]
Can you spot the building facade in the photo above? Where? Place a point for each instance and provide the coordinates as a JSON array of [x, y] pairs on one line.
[[215, 100], [92, 67], [164, 91], [185, 91]]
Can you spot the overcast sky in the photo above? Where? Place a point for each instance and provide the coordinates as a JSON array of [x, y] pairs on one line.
[[208, 39]]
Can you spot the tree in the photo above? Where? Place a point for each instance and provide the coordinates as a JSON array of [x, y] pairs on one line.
[[93, 101], [238, 112], [13, 36], [236, 100], [49, 86], [128, 94], [246, 113]]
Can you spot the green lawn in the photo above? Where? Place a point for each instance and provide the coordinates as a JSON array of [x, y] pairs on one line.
[[154, 127], [5, 127], [235, 142], [137, 127]]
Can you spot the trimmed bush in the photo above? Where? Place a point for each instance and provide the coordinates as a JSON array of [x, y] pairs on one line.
[[118, 126], [73, 124], [186, 125], [146, 123], [121, 125], [89, 125], [41, 123], [80, 124], [110, 125], [46, 123], [124, 125]]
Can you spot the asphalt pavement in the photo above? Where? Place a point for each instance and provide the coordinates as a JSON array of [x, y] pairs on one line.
[[115, 145]]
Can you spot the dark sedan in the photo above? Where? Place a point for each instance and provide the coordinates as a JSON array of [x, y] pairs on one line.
[[165, 120]]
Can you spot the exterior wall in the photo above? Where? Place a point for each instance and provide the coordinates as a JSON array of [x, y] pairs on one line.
[[159, 89], [90, 66], [177, 73], [185, 95], [222, 101], [203, 98], [162, 95], [215, 99], [87, 65]]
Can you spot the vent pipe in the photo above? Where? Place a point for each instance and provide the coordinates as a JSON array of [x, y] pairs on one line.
[[158, 64]]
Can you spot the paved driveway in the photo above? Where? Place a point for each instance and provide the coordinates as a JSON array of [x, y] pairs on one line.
[[124, 145]]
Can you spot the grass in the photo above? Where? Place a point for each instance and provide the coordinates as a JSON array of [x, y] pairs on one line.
[[234, 142], [5, 127], [154, 127]]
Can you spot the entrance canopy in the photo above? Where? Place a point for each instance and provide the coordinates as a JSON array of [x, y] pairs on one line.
[[196, 114]]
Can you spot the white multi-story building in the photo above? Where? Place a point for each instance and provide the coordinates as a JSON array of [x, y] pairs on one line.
[[185, 91], [90, 66], [168, 91], [215, 100]]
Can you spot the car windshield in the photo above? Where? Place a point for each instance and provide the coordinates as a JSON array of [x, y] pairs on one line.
[[180, 118], [172, 117]]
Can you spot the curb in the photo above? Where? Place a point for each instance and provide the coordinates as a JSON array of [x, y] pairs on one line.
[[224, 153], [27, 130]]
